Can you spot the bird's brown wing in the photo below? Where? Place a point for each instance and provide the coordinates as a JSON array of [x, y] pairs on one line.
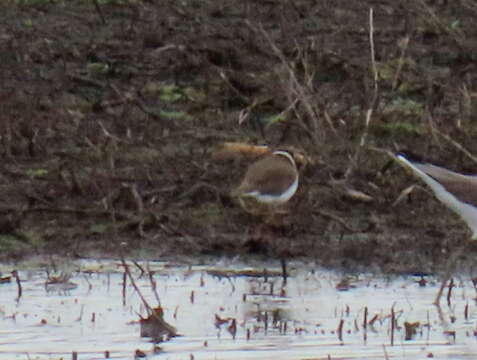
[[463, 187], [271, 175]]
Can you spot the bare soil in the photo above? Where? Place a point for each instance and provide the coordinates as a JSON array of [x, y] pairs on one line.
[[110, 112]]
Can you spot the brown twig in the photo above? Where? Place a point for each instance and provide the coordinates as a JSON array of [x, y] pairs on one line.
[[449, 291], [372, 104], [283, 264], [340, 330], [404, 43], [393, 319], [334, 218], [457, 145], [365, 324], [136, 288], [140, 104], [19, 285], [125, 279], [299, 90], [141, 269], [433, 19], [244, 98], [99, 11], [92, 212], [153, 284], [131, 219], [199, 188], [451, 264], [87, 81]]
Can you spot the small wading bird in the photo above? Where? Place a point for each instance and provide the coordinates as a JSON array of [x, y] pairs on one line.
[[457, 191], [270, 182]]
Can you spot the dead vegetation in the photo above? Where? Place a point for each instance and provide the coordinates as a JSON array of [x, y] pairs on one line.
[[110, 112]]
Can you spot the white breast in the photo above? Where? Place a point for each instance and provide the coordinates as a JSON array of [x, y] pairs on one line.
[[276, 199]]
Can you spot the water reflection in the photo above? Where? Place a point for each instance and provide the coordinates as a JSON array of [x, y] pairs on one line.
[[230, 313]]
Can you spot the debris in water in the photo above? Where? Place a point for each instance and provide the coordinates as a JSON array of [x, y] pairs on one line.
[[60, 283], [5, 279], [232, 328], [19, 284], [422, 282], [219, 321], [344, 284], [410, 329], [155, 327], [340, 330], [138, 354], [450, 333]]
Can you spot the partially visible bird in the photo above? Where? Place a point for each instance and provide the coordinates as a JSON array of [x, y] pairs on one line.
[[457, 191]]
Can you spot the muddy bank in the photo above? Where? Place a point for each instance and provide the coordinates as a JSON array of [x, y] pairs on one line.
[[109, 116]]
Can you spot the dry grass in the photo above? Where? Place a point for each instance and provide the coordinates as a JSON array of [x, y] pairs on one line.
[[109, 117]]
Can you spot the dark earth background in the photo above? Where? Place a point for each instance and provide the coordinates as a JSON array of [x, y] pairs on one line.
[[111, 112]]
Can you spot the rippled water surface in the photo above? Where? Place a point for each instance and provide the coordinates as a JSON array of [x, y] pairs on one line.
[[299, 320]]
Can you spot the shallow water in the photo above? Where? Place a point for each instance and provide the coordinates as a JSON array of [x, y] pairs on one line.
[[51, 324]]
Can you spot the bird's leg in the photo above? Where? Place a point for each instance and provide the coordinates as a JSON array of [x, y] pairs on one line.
[[282, 210], [270, 218], [251, 206]]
